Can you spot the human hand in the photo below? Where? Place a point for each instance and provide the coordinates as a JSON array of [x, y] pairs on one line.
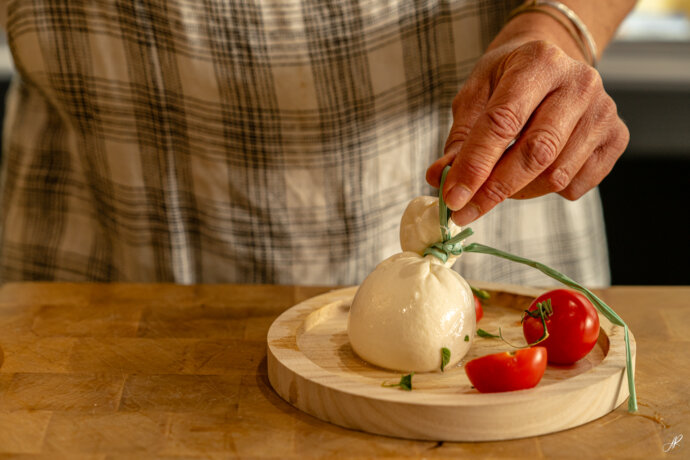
[[566, 128]]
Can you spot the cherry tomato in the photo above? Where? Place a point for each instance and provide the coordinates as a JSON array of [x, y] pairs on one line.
[[507, 371], [478, 308], [573, 327]]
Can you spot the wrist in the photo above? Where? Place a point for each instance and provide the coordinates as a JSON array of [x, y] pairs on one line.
[[534, 25]]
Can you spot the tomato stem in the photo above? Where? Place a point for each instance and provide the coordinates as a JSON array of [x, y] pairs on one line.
[[543, 310], [500, 335]]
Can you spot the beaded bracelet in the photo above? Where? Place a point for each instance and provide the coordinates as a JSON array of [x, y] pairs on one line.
[[583, 37]]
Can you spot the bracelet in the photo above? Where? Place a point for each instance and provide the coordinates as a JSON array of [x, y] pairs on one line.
[[583, 37], [582, 29]]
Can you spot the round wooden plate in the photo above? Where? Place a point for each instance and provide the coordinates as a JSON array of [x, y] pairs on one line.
[[312, 366]]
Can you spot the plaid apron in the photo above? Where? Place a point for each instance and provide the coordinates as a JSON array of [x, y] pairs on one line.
[[273, 141]]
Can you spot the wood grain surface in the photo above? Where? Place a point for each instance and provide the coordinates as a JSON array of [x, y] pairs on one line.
[[140, 371], [312, 365]]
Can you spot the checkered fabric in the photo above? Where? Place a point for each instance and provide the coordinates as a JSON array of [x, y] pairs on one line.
[[273, 141]]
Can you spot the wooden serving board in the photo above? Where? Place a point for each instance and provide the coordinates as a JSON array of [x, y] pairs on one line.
[[312, 366]]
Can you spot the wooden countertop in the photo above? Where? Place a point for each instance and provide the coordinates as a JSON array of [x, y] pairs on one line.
[[112, 371]]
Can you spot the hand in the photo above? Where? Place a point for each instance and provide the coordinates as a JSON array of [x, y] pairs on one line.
[[566, 129]]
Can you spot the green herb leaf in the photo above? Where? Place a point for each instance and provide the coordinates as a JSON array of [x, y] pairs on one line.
[[404, 384], [487, 335], [445, 357], [467, 338], [481, 293]]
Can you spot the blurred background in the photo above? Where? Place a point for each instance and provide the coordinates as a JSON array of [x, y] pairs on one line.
[[646, 200]]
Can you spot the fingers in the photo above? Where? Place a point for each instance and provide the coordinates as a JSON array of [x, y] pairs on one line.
[[584, 139], [540, 144], [600, 128], [599, 164], [516, 96], [565, 127], [560, 173]]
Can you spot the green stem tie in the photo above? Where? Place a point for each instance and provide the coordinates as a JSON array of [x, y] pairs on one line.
[[453, 246]]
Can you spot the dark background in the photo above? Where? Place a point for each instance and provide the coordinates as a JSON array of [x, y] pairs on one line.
[[646, 198]]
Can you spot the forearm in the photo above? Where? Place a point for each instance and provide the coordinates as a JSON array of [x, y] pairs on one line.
[[601, 18]]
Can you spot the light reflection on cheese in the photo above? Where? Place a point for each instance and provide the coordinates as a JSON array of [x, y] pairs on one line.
[[411, 305]]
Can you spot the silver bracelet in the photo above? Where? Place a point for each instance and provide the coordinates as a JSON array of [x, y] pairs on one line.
[[577, 22]]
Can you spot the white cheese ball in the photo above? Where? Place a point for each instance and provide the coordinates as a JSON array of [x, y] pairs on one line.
[[420, 227], [409, 308]]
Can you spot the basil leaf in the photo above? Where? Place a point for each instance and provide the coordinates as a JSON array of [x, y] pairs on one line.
[[487, 335], [404, 384], [445, 357]]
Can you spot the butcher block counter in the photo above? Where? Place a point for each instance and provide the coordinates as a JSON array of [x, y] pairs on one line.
[[156, 370]]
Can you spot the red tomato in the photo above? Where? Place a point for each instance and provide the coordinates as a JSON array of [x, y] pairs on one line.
[[573, 327], [507, 371], [478, 308]]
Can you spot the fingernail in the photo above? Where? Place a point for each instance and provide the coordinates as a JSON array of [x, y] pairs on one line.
[[458, 196], [466, 215]]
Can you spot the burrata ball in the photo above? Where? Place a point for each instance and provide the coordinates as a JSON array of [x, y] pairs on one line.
[[407, 310]]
